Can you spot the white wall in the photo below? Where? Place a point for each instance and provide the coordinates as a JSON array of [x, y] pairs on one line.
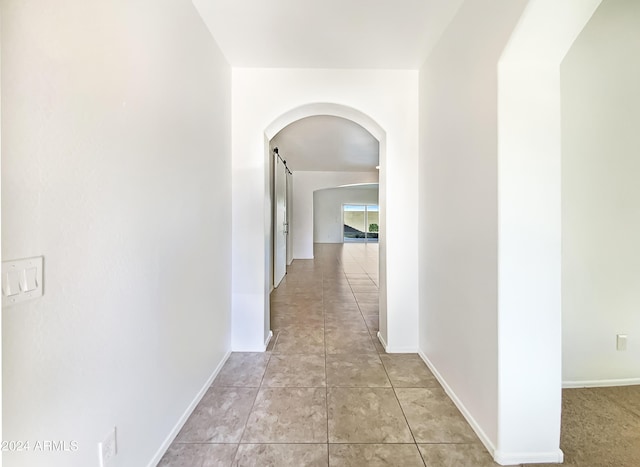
[[116, 168], [601, 198], [261, 99], [490, 194], [529, 162], [305, 184], [328, 222], [289, 217], [458, 206]]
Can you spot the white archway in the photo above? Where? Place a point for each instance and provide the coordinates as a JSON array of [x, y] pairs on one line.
[[382, 101], [369, 124], [323, 108]]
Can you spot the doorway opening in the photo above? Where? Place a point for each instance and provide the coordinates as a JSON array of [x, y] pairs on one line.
[[306, 137]]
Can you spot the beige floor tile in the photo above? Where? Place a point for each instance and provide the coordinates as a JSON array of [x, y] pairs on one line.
[[367, 297], [352, 322], [287, 320], [366, 415], [370, 308], [372, 323], [281, 455], [220, 416], [433, 418], [344, 312], [290, 370], [456, 455], [374, 455], [378, 345], [348, 342], [356, 370], [310, 309], [201, 455], [334, 289], [288, 415], [300, 341], [364, 289], [243, 369], [360, 281], [353, 268], [357, 276], [409, 371], [335, 302]]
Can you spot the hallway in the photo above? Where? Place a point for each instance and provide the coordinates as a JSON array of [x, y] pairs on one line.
[[325, 392]]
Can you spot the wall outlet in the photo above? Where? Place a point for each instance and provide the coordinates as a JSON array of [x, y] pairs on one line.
[[108, 448], [621, 342]]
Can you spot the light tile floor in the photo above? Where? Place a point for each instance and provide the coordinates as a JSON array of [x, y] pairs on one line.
[[326, 393]]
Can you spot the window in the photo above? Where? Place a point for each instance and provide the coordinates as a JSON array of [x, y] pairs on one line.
[[361, 223]]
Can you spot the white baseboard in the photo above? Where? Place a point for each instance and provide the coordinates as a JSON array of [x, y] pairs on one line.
[[382, 341], [458, 403], [498, 456], [187, 413], [268, 339], [601, 383], [555, 457], [391, 349]]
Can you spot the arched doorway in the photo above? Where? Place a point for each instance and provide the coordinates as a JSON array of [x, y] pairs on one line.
[[383, 102], [352, 115]]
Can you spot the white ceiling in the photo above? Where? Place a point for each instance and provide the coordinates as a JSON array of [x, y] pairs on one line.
[[396, 34], [327, 143], [356, 34]]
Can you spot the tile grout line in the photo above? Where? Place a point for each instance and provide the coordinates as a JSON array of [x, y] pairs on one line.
[[246, 422], [393, 387], [326, 379], [360, 309]]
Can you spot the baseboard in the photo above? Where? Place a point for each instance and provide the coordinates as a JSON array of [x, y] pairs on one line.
[[268, 339], [391, 349], [498, 456], [187, 413], [458, 403], [600, 383], [555, 457], [382, 341]]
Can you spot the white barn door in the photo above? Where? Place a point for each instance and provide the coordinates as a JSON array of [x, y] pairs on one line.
[[281, 229]]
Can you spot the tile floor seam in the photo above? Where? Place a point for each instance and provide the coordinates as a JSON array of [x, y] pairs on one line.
[[244, 429], [293, 303], [326, 378], [415, 442]]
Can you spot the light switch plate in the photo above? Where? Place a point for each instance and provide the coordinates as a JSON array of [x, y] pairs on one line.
[[621, 342], [22, 280]]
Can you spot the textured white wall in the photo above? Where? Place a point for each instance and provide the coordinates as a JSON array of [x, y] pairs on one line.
[[305, 184], [529, 220], [115, 167], [458, 205], [490, 204], [601, 198], [328, 222]]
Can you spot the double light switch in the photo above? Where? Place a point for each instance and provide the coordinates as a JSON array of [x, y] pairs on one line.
[[21, 280]]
